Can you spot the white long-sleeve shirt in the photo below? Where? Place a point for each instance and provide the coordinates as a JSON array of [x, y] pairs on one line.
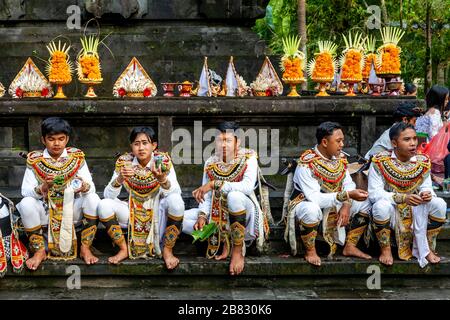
[[30, 182], [383, 143], [377, 184], [111, 192], [246, 185], [305, 181]]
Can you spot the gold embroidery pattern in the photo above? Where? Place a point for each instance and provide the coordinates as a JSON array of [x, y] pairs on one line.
[[330, 173], [115, 233], [88, 234], [171, 236], [36, 242], [431, 237], [403, 177], [309, 240]]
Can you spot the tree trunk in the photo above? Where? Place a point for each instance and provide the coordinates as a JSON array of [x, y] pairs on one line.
[[428, 69], [384, 12], [401, 13], [301, 15]]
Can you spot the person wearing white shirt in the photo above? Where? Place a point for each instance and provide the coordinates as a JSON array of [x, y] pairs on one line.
[[401, 191], [406, 112], [227, 198], [154, 211], [59, 193], [324, 191]]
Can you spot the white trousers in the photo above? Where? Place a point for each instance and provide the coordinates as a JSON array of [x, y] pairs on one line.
[[437, 207], [309, 212], [236, 202], [33, 213], [173, 204], [384, 209]]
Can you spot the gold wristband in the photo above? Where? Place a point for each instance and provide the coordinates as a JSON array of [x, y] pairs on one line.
[[38, 190], [399, 198], [165, 184], [202, 215], [116, 183], [342, 196]]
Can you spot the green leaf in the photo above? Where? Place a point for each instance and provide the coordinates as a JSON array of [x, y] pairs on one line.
[[205, 233], [58, 180]]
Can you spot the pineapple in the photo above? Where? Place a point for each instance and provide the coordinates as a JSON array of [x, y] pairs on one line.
[[293, 60], [59, 67], [352, 60], [389, 53], [88, 59], [323, 66]]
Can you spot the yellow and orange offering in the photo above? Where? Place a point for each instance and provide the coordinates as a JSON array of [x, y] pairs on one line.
[[352, 60], [389, 53], [370, 57], [88, 59], [293, 60], [59, 68], [323, 66]]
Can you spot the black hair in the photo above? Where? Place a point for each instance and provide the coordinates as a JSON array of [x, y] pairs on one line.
[[398, 128], [436, 97], [406, 109], [148, 131], [227, 126], [55, 125], [326, 129], [410, 88]]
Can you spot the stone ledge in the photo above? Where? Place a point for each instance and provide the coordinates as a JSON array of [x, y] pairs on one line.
[[203, 106], [266, 266]]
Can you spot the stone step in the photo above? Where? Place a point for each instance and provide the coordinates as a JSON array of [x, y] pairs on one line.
[[199, 272]]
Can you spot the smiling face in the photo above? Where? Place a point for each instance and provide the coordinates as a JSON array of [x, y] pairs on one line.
[[406, 144], [334, 143], [227, 145], [55, 143], [142, 148]]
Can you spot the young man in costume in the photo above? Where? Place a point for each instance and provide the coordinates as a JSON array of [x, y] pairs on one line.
[[401, 191], [227, 198], [155, 208], [58, 193], [406, 112], [324, 191]]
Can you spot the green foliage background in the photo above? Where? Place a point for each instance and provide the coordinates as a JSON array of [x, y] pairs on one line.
[[329, 19]]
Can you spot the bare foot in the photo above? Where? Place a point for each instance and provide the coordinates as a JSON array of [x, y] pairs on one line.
[[121, 255], [34, 262], [170, 260], [87, 256], [433, 258], [237, 261], [312, 257], [352, 251], [386, 256], [223, 255]]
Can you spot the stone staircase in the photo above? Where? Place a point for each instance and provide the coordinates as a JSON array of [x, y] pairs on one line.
[[275, 270]]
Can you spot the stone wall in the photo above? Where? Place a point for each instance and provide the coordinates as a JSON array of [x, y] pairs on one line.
[[170, 37], [101, 127]]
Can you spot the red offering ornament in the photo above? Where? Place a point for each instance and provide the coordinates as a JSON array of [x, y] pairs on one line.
[[147, 92], [17, 254], [44, 92], [19, 92], [122, 92], [3, 263]]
